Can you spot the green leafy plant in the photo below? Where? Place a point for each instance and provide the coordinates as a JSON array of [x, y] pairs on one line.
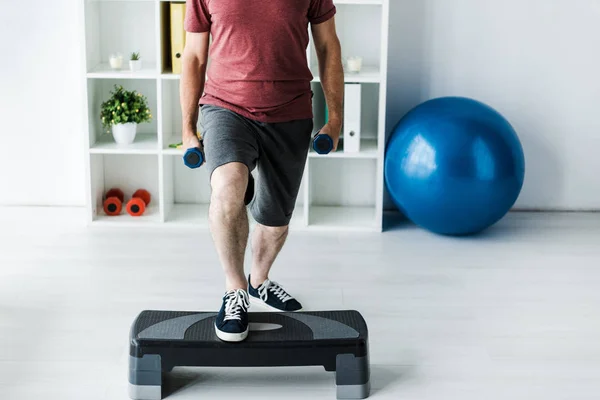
[[123, 107], [135, 56]]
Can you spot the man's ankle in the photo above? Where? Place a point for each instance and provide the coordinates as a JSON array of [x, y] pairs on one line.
[[236, 284], [257, 280]]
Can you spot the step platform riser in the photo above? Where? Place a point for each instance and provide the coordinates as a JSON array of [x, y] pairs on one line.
[[145, 392], [336, 340], [347, 392]]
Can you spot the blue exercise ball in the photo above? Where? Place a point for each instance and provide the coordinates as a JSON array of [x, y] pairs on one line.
[[454, 166]]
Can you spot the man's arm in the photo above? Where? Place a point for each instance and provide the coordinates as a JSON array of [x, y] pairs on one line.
[[193, 72], [331, 71]]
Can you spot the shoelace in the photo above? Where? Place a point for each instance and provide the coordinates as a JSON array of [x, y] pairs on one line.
[[235, 300], [275, 288]]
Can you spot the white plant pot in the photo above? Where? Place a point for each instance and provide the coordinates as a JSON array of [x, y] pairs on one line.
[[135, 65], [124, 133]]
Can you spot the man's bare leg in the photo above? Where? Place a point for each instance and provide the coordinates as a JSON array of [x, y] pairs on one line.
[[228, 220], [267, 242]]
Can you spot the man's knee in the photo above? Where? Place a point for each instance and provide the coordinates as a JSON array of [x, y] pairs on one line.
[[275, 232], [229, 183]]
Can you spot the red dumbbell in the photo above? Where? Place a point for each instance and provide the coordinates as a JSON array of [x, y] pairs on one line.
[[138, 203], [113, 203]]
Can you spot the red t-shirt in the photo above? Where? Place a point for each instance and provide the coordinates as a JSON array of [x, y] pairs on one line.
[[258, 66]]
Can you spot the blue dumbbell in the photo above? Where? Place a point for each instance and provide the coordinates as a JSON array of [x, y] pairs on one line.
[[193, 158], [322, 143]]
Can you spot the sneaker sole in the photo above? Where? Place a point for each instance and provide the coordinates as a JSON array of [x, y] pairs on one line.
[[231, 337], [261, 304]]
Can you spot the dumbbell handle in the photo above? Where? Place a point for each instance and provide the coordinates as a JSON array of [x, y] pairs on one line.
[[322, 143], [193, 158]]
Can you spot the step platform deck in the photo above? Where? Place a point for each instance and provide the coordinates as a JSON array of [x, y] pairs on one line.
[[336, 340]]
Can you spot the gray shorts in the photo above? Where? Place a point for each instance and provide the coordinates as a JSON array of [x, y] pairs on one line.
[[277, 150]]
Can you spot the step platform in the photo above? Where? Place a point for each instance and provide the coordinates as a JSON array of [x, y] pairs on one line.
[[336, 340]]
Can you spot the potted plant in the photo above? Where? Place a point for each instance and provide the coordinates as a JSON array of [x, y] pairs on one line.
[[122, 112], [135, 63]]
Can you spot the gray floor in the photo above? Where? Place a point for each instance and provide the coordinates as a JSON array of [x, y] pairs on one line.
[[513, 314]]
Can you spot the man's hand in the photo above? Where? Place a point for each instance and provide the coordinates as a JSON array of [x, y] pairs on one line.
[[190, 141], [333, 129]]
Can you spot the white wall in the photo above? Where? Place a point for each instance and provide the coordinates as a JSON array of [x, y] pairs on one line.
[[41, 157], [535, 61]]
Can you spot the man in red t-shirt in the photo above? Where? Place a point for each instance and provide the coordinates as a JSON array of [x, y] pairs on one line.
[[256, 106]]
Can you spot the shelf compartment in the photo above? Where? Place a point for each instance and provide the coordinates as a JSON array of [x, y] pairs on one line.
[[166, 30], [171, 115], [185, 191], [369, 144], [365, 43], [116, 27], [100, 139], [342, 193], [128, 173]]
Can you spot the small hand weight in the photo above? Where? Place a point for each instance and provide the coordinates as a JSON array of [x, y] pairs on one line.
[[113, 203], [193, 158], [138, 203], [322, 143]]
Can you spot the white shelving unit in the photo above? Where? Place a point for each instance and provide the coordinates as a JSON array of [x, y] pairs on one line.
[[340, 191]]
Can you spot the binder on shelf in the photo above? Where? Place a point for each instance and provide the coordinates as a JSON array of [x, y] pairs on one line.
[[177, 35], [352, 117]]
